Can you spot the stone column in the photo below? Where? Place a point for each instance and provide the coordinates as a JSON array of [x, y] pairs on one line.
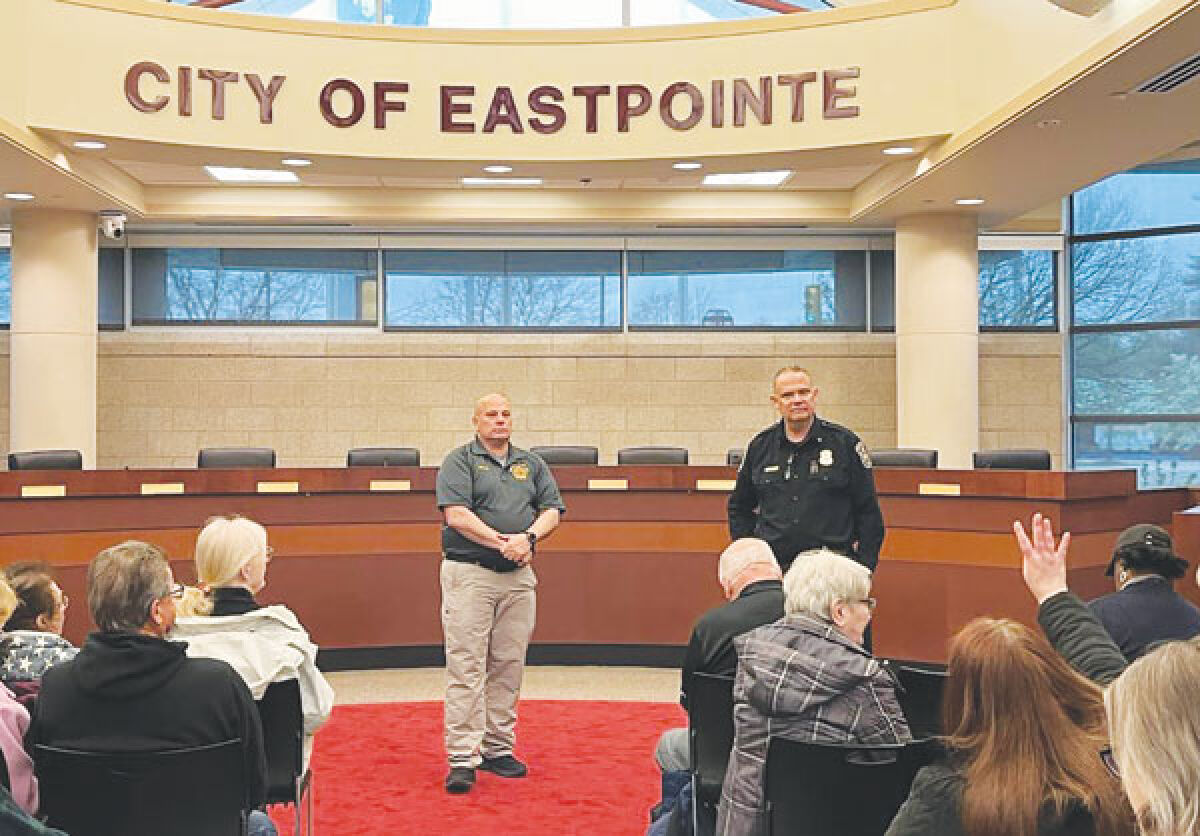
[[937, 335], [52, 363]]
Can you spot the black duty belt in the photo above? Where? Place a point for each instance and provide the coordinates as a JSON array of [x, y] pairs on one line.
[[496, 564]]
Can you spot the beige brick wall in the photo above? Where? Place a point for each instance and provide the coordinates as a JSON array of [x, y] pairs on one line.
[[313, 395]]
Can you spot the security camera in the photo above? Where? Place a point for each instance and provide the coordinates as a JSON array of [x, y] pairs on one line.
[[112, 224]]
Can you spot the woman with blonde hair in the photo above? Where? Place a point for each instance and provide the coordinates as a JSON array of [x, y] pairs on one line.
[[1155, 721], [1023, 733], [221, 618]]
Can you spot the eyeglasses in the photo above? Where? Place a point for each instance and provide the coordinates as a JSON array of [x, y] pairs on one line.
[[176, 591], [1106, 755], [870, 602]]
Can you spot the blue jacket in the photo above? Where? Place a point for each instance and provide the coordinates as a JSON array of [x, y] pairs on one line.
[[1145, 613]]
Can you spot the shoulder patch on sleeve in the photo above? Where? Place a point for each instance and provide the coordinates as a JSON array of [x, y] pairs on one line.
[[863, 455]]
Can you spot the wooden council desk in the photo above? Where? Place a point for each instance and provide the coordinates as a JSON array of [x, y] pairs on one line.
[[623, 579]]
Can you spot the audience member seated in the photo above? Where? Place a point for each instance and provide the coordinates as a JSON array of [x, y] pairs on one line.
[[1146, 609], [14, 722], [222, 620], [807, 677], [753, 585], [32, 640], [1150, 704], [131, 690], [1023, 733]]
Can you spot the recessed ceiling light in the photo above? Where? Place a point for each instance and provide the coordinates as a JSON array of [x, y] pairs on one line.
[[296, 162], [502, 181], [497, 169], [18, 196], [90, 145], [899, 150], [969, 201], [747, 178], [250, 175], [687, 165]]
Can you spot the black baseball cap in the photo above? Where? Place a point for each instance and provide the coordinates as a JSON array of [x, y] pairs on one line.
[[1142, 534]]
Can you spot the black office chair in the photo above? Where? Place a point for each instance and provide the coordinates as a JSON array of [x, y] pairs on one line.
[[1015, 459], [734, 456], [288, 782], [710, 739], [199, 791], [904, 457], [815, 789], [46, 460], [652, 455], [383, 457], [920, 696], [216, 457], [568, 454]]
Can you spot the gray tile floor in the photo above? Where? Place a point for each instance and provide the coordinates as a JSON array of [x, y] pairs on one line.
[[541, 682]]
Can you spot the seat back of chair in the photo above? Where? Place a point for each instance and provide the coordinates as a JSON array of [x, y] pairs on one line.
[[920, 696], [46, 460], [710, 731], [1015, 459], [211, 457], [652, 455], [4, 778], [568, 454], [904, 457], [383, 457], [283, 739], [815, 789], [199, 791]]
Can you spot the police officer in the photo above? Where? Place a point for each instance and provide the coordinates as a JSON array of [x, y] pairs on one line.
[[806, 483], [498, 502]]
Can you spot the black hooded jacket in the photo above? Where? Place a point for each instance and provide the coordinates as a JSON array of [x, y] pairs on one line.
[[127, 692]]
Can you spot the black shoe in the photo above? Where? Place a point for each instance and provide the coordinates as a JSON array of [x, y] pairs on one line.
[[506, 766], [460, 780]]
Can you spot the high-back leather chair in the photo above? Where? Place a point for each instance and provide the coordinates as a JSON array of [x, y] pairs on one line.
[[1014, 459], [904, 457], [228, 457], [383, 457], [652, 455], [46, 460], [199, 791], [568, 454]]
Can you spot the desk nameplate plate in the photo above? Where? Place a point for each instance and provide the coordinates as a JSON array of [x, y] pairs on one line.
[[608, 484], [939, 489]]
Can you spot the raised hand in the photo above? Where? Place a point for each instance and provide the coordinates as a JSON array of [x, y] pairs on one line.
[[1043, 564]]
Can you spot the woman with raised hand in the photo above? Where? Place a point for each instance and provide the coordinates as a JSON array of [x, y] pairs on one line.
[[222, 619]]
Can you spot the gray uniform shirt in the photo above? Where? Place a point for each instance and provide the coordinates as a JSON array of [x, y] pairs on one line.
[[507, 496]]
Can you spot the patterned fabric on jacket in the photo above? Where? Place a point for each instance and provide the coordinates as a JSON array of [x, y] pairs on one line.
[[27, 654], [801, 679]]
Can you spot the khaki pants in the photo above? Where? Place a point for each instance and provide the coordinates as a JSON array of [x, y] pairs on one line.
[[487, 620]]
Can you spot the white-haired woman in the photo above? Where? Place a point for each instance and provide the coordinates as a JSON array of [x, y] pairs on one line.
[[807, 676], [221, 619]]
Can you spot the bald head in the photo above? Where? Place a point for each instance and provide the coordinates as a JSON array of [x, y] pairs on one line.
[[744, 562], [493, 420]]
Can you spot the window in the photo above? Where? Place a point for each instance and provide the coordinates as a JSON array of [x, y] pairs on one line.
[[748, 289], [541, 289], [1135, 334], [1018, 290], [5, 286], [245, 287]]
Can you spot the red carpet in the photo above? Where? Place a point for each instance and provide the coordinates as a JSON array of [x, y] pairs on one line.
[[379, 772]]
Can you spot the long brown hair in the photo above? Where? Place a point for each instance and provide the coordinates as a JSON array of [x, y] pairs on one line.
[[1029, 730]]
